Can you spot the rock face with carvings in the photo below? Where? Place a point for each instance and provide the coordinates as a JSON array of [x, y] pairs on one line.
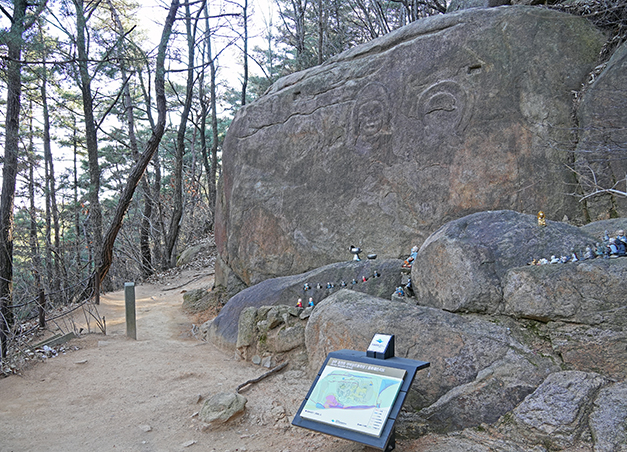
[[383, 144]]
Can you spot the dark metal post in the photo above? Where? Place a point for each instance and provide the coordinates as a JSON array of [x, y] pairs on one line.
[[129, 301]]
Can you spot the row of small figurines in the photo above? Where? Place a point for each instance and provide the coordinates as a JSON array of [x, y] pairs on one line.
[[331, 285], [610, 247]]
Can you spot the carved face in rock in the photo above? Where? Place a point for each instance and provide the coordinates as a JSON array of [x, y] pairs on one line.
[[372, 116], [371, 120], [442, 108]]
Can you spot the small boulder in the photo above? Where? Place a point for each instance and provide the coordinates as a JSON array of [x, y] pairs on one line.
[[191, 253], [197, 300], [246, 327], [222, 407], [288, 338]]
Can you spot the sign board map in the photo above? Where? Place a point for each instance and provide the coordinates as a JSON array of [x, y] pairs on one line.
[[354, 395]]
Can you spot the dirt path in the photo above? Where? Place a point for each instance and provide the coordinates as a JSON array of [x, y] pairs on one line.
[[114, 393]]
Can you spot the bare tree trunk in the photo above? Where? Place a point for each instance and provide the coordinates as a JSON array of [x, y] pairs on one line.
[[144, 232], [149, 151], [13, 40], [91, 139], [177, 213], [77, 207], [245, 45], [204, 111], [34, 245], [321, 23], [51, 197], [160, 255], [214, 130], [154, 195]]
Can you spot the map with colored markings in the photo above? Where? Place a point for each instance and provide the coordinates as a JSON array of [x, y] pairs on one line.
[[354, 395]]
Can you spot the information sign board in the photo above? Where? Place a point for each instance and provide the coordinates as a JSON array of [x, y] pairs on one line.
[[358, 397], [353, 395]]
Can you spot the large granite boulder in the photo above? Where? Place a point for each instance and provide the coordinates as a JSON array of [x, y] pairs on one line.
[[458, 5], [587, 293], [480, 369], [381, 145], [600, 153], [286, 290], [461, 266], [598, 229]]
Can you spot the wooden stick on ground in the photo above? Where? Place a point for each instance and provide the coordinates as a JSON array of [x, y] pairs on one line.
[[258, 379]]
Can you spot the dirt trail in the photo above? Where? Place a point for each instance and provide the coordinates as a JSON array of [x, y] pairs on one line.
[[114, 393]]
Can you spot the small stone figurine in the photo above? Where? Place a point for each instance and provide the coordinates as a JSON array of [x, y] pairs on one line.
[[620, 246], [541, 219], [355, 250], [412, 257]]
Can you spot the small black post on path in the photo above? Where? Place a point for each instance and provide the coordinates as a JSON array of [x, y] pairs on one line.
[[129, 302]]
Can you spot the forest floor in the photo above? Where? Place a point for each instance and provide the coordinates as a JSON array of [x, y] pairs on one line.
[[109, 392]]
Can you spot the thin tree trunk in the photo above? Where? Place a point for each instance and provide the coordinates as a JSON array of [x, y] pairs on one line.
[[177, 213], [91, 139], [51, 196], [209, 173], [34, 245], [214, 130], [149, 151], [144, 230], [155, 192], [245, 76], [321, 23], [13, 41], [204, 110], [77, 207]]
